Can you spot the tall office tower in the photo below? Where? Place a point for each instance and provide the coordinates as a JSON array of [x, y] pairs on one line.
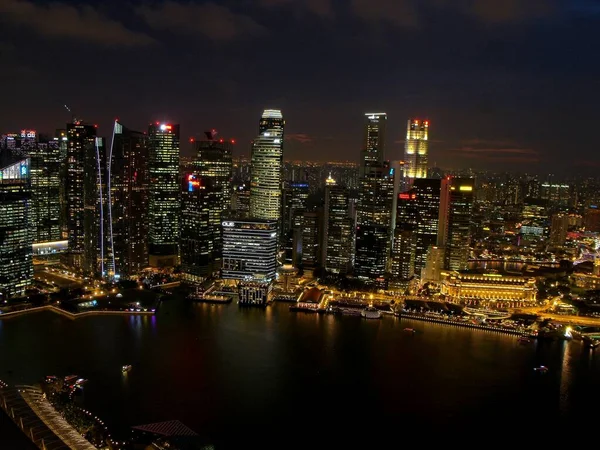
[[163, 199], [95, 211], [559, 228], [427, 193], [16, 259], [458, 235], [127, 203], [271, 119], [197, 242], [311, 239], [338, 229], [63, 145], [375, 199], [45, 190], [295, 195], [249, 250], [266, 160], [415, 150], [405, 234], [81, 142], [213, 162]]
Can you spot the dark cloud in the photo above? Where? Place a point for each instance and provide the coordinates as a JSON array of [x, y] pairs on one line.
[[502, 11], [322, 8], [302, 138], [400, 13], [212, 20], [416, 13], [60, 20], [492, 151]]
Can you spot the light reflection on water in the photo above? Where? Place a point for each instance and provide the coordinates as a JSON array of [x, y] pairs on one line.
[[215, 367]]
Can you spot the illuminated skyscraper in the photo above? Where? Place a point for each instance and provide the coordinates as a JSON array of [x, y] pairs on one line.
[[16, 259], [95, 217], [197, 244], [338, 229], [415, 150], [164, 200], [266, 160], [45, 176], [213, 162], [128, 184], [427, 203], [375, 198], [81, 146], [458, 225], [206, 197], [249, 250], [295, 195]]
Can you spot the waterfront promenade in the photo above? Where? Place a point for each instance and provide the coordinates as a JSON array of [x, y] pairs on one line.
[[71, 315], [39, 421]]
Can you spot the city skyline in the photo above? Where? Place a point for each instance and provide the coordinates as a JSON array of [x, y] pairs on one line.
[[499, 82]]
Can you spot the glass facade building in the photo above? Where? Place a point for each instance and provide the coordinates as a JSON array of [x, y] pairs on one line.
[[81, 139], [375, 198], [266, 167], [164, 201], [249, 250], [459, 214], [214, 164], [128, 184], [339, 236], [16, 239]]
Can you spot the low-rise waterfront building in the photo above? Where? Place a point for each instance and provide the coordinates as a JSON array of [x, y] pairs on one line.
[[488, 288]]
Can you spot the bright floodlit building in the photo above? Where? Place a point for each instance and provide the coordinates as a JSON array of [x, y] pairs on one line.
[[266, 161]]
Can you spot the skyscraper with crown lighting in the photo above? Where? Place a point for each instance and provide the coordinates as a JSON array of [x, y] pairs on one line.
[[266, 161]]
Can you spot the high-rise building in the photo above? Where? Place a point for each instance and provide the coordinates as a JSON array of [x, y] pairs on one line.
[[213, 162], [405, 233], [16, 258], [95, 212], [206, 196], [295, 195], [249, 250], [458, 224], [266, 160], [164, 202], [415, 150], [338, 229], [311, 239], [375, 199], [45, 164], [81, 144], [127, 203], [427, 193], [559, 228], [197, 241]]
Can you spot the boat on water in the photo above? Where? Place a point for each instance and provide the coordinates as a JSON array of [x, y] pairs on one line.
[[524, 339], [126, 368], [410, 330], [541, 369], [370, 313]]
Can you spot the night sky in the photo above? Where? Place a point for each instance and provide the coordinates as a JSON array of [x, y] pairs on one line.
[[506, 84]]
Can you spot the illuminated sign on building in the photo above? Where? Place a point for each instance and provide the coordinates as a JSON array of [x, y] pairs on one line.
[[28, 133], [228, 224]]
